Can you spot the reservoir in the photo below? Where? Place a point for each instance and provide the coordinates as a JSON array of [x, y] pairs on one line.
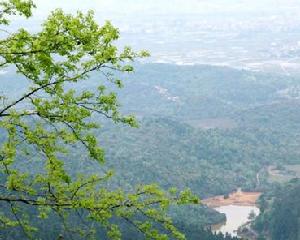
[[236, 216]]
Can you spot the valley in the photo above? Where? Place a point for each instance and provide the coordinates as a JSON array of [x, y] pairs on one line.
[[154, 120], [210, 129]]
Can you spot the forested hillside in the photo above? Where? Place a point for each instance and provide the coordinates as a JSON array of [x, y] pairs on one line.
[[200, 127], [280, 209], [213, 150]]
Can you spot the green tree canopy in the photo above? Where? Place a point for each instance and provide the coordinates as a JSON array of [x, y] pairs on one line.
[[53, 115]]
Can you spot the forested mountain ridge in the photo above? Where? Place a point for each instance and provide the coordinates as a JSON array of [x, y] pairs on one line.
[[226, 121], [173, 140], [202, 91], [200, 127]]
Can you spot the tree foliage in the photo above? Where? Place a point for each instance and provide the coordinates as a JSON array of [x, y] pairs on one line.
[[279, 212], [53, 116]]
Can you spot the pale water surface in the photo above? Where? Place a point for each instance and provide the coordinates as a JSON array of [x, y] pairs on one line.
[[236, 216]]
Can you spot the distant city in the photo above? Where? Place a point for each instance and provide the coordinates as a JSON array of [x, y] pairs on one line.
[[258, 43], [243, 34]]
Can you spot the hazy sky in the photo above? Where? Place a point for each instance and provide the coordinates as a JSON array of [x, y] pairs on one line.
[[169, 6], [123, 11], [180, 24]]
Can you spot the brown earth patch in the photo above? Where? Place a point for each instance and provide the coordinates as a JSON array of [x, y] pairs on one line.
[[236, 198]]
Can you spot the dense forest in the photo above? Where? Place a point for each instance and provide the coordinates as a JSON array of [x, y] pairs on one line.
[[229, 144], [232, 145], [280, 209]]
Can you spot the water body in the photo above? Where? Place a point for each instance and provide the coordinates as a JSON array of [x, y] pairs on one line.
[[236, 216]]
